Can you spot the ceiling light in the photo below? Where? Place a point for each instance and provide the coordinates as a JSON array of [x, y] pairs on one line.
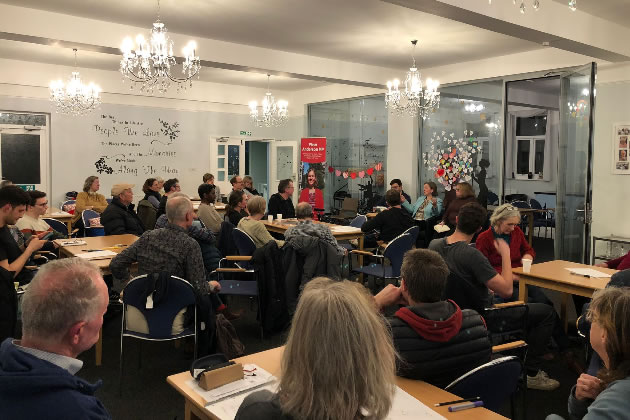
[[74, 98], [149, 63], [522, 7], [413, 100], [272, 113]]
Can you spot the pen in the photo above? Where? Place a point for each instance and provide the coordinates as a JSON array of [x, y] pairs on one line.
[[465, 406], [581, 275], [457, 401], [92, 250]]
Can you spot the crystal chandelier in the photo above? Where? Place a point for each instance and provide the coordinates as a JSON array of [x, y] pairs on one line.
[[74, 98], [149, 65], [414, 100], [536, 5], [273, 113]]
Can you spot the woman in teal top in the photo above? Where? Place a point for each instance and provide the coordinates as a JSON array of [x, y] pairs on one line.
[[427, 206]]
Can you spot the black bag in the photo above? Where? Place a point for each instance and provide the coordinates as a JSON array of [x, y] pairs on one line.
[[228, 342]]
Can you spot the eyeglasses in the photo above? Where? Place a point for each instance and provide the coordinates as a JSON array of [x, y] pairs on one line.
[[43, 204]]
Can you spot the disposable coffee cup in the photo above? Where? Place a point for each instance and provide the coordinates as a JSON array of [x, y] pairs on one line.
[[527, 265], [279, 216], [270, 218], [16, 284]]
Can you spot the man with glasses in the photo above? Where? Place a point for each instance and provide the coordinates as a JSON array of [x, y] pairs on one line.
[[31, 223], [237, 185], [170, 186]]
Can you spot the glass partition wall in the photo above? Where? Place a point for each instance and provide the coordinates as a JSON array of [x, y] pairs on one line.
[[356, 134]]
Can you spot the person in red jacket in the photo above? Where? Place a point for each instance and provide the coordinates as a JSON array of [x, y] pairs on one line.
[[504, 224], [621, 263], [311, 194]]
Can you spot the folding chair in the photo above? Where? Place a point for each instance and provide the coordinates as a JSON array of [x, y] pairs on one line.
[[88, 215]]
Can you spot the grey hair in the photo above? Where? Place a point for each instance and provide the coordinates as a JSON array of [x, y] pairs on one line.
[[62, 293], [303, 210], [504, 212], [177, 207], [256, 205]]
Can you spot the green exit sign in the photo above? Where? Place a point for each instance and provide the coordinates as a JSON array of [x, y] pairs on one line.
[[27, 187], [246, 133]]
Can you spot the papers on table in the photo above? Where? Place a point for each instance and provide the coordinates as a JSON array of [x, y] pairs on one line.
[[405, 406], [588, 272], [344, 229], [441, 228], [97, 255], [70, 242]]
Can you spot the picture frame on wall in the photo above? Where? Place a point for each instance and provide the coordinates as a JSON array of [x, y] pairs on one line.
[[620, 150]]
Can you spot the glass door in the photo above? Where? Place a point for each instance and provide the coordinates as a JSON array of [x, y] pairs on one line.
[[575, 166], [227, 158], [283, 165]]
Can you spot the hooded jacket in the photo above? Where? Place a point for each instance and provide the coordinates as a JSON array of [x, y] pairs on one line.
[[32, 388], [118, 219], [438, 342]]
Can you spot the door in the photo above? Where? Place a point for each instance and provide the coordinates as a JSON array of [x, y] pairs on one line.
[[283, 165], [227, 159], [24, 156], [575, 165]]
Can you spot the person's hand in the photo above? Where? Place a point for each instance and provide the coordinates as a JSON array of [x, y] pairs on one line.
[[527, 257], [215, 286], [390, 295], [434, 201], [602, 265], [588, 387], [502, 247], [41, 235], [35, 244], [402, 198], [88, 207]]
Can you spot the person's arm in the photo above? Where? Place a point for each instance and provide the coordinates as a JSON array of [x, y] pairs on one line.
[[201, 234], [390, 295], [502, 284], [154, 201], [119, 266], [407, 206], [113, 224], [319, 199], [526, 250], [101, 204], [81, 203], [272, 208], [373, 223], [615, 263], [195, 271], [263, 235], [437, 209], [17, 265]]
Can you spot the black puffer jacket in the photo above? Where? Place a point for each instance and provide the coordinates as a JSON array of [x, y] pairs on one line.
[[438, 342], [118, 219]]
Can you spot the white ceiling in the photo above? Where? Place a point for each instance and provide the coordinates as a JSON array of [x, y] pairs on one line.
[[617, 11], [361, 31]]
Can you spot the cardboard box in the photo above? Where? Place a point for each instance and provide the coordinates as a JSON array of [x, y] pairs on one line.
[[219, 377]]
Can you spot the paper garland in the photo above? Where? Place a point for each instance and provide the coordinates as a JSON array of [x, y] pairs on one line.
[[451, 159], [354, 174]]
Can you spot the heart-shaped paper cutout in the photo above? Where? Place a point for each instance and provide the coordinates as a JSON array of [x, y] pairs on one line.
[[440, 172], [338, 172], [331, 169], [378, 166], [345, 174], [353, 175], [370, 171], [361, 174]]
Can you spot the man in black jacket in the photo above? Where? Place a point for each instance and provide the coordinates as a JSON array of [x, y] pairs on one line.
[[281, 202], [437, 341], [391, 222], [119, 217]]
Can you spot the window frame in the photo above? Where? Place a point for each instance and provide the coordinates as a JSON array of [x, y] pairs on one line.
[[532, 157]]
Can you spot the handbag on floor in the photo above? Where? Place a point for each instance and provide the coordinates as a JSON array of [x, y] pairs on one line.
[[228, 342]]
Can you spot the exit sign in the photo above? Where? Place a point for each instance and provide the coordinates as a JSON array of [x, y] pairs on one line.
[[27, 187], [246, 133]]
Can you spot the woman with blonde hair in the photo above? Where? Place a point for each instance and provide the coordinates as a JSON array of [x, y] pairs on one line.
[[252, 224], [338, 363], [89, 199], [605, 396]]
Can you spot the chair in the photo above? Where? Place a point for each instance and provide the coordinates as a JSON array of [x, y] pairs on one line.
[[160, 318], [413, 231], [493, 199], [394, 252], [541, 218], [522, 205], [357, 222], [68, 203], [88, 215], [349, 208], [495, 382], [57, 225], [109, 200]]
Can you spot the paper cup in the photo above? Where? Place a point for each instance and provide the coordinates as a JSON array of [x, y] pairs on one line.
[[527, 265], [270, 218], [279, 217], [16, 284]]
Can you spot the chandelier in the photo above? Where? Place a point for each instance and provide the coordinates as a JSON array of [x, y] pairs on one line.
[[74, 98], [272, 113], [414, 100], [149, 64], [536, 5]]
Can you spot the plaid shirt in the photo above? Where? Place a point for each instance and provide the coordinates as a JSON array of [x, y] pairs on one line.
[[318, 230], [170, 250]]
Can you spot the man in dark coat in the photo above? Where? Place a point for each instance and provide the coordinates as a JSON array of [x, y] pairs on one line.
[[120, 217]]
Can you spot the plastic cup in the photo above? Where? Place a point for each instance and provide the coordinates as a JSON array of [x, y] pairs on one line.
[[270, 218], [16, 284], [527, 265], [279, 217]]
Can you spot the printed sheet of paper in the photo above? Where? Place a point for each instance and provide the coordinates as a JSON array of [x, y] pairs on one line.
[[70, 242], [97, 255], [588, 272]]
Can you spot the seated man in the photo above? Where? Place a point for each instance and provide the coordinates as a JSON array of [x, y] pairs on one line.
[[282, 201], [13, 201], [119, 217], [436, 340], [206, 212], [171, 186], [237, 185], [391, 222], [208, 178], [396, 184], [31, 223], [476, 276], [37, 373], [306, 227]]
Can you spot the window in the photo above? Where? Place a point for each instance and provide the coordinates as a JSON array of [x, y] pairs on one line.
[[529, 157]]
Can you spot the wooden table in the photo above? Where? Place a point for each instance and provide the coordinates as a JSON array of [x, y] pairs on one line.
[[554, 275], [270, 361], [99, 242], [530, 218], [62, 216]]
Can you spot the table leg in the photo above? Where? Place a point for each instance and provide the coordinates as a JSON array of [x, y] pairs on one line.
[[192, 413], [361, 238], [69, 227], [98, 349], [530, 219], [563, 311], [522, 291]]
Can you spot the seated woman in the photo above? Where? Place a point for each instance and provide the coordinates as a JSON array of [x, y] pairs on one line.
[[252, 224], [427, 206], [236, 208], [151, 190], [89, 199], [248, 184], [464, 194], [339, 364], [606, 395], [621, 263]]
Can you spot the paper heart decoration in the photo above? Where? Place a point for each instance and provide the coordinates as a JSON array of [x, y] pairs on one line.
[[378, 166], [361, 174], [338, 172], [440, 172], [370, 171], [345, 174], [353, 175], [331, 169]]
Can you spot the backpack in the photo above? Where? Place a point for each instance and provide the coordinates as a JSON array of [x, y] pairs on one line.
[[228, 342]]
